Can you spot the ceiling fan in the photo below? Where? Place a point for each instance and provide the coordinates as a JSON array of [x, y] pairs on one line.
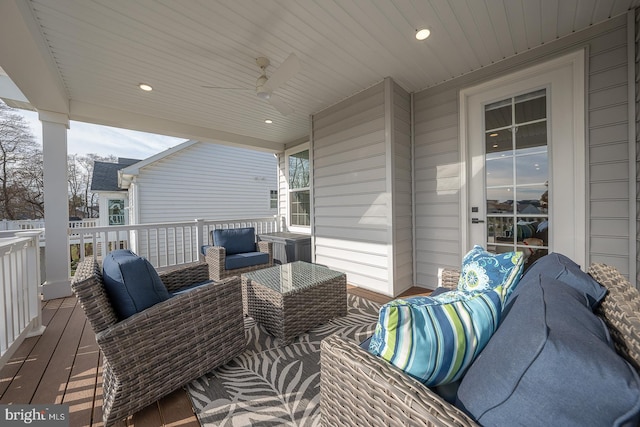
[[266, 85]]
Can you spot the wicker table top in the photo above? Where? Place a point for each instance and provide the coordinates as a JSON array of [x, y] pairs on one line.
[[293, 277]]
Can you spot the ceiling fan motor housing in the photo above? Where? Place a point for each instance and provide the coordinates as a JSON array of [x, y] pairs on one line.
[[262, 91]]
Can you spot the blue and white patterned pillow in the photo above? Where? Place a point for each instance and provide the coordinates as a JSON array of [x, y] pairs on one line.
[[435, 339], [482, 270]]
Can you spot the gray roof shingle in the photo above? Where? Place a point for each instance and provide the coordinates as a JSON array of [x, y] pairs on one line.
[[105, 174]]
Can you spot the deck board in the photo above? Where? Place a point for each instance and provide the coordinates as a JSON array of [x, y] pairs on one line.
[[26, 381], [81, 389], [176, 410], [64, 365], [55, 378], [12, 367]]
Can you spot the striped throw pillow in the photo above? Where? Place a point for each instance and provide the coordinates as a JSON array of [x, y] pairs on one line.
[[435, 339]]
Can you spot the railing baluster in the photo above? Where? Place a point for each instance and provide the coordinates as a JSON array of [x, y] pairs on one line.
[[164, 244], [19, 291]]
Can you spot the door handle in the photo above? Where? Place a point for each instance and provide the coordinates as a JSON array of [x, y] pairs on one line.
[[476, 220]]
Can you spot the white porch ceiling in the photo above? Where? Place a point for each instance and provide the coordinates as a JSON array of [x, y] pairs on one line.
[[95, 52]]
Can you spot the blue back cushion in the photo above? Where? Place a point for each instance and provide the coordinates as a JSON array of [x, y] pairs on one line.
[[131, 283], [550, 363], [236, 240], [560, 267]]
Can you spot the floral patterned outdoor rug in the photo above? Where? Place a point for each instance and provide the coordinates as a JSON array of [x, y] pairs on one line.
[[271, 385]]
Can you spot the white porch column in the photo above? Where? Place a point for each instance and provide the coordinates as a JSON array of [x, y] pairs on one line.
[[56, 206]]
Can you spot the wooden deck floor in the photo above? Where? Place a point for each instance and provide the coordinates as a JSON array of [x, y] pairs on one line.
[[64, 366]]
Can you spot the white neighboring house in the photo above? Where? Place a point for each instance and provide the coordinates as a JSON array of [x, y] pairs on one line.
[[113, 200], [189, 181]]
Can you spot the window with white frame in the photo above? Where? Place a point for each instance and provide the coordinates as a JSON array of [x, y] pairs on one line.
[[273, 199], [299, 191], [116, 212]]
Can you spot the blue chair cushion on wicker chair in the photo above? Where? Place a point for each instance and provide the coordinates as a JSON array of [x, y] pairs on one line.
[[236, 240], [131, 283], [240, 247], [247, 259]]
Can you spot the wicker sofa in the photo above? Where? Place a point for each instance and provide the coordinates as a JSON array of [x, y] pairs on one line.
[[160, 349], [358, 388]]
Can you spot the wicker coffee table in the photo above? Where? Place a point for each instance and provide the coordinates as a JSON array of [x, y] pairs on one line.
[[292, 298]]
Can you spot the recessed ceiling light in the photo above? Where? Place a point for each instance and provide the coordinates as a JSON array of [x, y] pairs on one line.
[[145, 87], [493, 134], [268, 121], [422, 34], [495, 145]]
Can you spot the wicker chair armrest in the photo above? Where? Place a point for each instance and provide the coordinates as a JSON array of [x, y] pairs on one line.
[[620, 310], [358, 388], [177, 278], [88, 287], [450, 277], [210, 313], [266, 247], [215, 254]]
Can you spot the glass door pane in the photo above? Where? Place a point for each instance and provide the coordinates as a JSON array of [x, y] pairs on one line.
[[517, 175]]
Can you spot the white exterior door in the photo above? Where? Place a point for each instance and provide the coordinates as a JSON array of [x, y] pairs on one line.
[[523, 150]]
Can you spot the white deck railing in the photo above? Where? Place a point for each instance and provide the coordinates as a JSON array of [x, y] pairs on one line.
[[164, 244], [20, 310], [34, 224]]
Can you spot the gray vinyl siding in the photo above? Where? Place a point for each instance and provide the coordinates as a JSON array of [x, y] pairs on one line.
[[400, 145], [437, 184], [208, 181], [437, 156], [608, 156], [637, 142], [362, 188], [350, 201]]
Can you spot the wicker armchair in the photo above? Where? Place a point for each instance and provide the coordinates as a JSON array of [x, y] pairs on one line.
[[357, 388], [154, 352], [216, 256]]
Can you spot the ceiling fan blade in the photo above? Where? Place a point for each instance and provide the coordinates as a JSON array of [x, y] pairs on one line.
[[226, 88], [285, 71], [282, 107]]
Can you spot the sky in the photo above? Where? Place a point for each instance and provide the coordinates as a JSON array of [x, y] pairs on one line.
[[85, 138]]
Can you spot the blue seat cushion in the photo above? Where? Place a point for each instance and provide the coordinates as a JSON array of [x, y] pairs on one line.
[[245, 260], [235, 240], [131, 283], [203, 249], [563, 269], [551, 362]]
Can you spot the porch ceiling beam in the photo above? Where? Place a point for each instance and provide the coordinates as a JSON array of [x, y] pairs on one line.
[[26, 58], [90, 113]]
